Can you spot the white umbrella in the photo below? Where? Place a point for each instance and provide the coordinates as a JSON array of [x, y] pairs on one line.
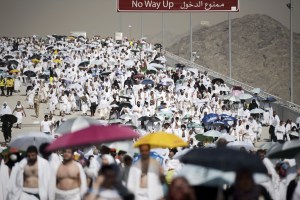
[[126, 117], [166, 80], [227, 137], [76, 124], [294, 133], [238, 144], [257, 111], [97, 62], [151, 68], [23, 141], [234, 99], [245, 96], [194, 70], [212, 133], [162, 59], [129, 63], [123, 145], [156, 65], [256, 90]]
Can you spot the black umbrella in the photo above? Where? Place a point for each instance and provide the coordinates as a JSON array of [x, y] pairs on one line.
[[288, 150], [179, 65], [12, 62], [155, 61], [224, 159], [143, 118], [8, 57], [35, 56], [9, 118], [153, 119], [123, 104], [106, 73], [217, 80], [125, 97], [30, 73], [84, 64], [44, 76], [50, 47]]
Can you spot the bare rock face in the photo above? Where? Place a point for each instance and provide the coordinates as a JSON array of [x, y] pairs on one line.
[[260, 53]]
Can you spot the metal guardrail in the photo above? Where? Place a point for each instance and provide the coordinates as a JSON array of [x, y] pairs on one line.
[[291, 106]]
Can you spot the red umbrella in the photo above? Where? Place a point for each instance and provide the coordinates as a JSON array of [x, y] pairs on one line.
[[94, 134], [138, 76]]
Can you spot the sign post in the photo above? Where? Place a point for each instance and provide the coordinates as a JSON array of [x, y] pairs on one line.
[[177, 5]]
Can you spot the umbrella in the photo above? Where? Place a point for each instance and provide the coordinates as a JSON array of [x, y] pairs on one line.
[[125, 104], [35, 60], [167, 80], [220, 123], [212, 133], [294, 133], [166, 113], [139, 76], [257, 111], [256, 90], [9, 118], [97, 62], [30, 73], [161, 140], [270, 99], [23, 141], [8, 57], [14, 71], [44, 76], [193, 70], [289, 150], [179, 65], [126, 117], [203, 138], [227, 137], [194, 125], [143, 118], [245, 96], [234, 99], [129, 63], [225, 117], [209, 118], [224, 159], [105, 73], [94, 134], [154, 119], [239, 144], [152, 70], [156, 65], [84, 64], [12, 62], [162, 59], [217, 80], [147, 82], [76, 124], [125, 97], [3, 64]]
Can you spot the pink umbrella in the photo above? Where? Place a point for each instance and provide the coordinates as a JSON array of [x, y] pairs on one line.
[[93, 134]]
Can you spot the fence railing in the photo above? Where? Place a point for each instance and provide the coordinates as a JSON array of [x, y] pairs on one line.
[[172, 58]]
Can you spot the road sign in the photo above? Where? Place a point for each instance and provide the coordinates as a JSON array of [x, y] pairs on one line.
[[177, 5]]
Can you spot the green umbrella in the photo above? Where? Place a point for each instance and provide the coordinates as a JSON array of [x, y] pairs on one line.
[[202, 138]]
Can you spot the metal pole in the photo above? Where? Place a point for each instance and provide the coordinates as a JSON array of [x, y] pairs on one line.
[[191, 38], [141, 25], [229, 45], [291, 52], [120, 21], [162, 24]]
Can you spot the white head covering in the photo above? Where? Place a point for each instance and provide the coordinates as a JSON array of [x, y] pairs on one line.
[[110, 159]]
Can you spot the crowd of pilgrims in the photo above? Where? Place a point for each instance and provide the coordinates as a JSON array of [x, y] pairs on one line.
[[124, 81]]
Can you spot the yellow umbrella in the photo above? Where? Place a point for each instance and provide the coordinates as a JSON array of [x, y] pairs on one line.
[[71, 38], [14, 71], [57, 61], [161, 140], [35, 60]]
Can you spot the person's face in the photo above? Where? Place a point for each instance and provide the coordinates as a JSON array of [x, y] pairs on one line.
[[145, 151], [171, 154], [46, 118], [261, 155], [67, 154], [32, 157], [105, 161]]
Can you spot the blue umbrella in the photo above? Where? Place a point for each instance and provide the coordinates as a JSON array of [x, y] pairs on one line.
[[153, 155], [147, 82], [225, 117], [219, 123], [210, 118]]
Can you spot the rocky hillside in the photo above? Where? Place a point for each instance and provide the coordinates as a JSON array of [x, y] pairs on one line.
[[260, 52]]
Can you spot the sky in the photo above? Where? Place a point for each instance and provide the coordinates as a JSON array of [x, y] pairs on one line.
[[99, 17]]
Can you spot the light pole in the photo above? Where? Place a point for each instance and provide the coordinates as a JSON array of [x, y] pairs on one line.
[[290, 6], [162, 30], [141, 25], [229, 45], [129, 28], [191, 38], [120, 21]]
